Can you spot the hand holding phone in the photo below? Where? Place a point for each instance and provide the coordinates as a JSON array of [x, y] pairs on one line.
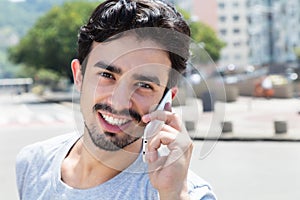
[[155, 125]]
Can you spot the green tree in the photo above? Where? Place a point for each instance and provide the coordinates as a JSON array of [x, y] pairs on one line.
[[297, 52], [204, 34], [51, 43], [297, 70]]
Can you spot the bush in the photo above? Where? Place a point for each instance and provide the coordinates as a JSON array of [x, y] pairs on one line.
[[47, 78]]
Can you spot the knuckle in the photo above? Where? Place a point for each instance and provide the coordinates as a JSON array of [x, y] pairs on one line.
[[175, 115], [192, 146]]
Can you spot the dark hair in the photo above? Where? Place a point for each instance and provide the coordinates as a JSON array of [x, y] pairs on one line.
[[114, 17]]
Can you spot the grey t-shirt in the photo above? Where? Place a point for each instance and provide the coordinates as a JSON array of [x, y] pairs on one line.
[[38, 171]]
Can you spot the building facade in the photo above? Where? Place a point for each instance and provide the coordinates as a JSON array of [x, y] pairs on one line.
[[274, 31], [232, 28], [256, 32]]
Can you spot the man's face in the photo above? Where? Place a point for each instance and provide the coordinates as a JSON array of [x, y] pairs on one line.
[[124, 79]]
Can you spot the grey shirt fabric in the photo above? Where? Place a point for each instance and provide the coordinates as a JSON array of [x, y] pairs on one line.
[[38, 171]]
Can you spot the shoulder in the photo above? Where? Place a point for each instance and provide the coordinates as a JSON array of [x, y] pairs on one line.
[[45, 146], [37, 152], [33, 160], [199, 188]]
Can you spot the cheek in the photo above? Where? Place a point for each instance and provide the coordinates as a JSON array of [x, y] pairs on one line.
[[92, 89], [146, 104], [103, 90], [87, 96]]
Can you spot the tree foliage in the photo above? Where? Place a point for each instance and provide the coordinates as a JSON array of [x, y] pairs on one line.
[[204, 34], [297, 52], [16, 17], [20, 16], [51, 43]]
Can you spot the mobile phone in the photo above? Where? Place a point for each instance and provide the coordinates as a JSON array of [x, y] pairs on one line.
[[156, 125]]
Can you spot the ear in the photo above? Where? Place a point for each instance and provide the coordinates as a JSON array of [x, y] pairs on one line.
[[77, 75], [174, 91]]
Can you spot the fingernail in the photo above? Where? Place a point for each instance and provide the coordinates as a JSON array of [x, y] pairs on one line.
[[168, 107], [151, 157], [148, 160], [146, 118]]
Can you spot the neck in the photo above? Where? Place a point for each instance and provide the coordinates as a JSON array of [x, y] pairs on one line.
[[87, 166]]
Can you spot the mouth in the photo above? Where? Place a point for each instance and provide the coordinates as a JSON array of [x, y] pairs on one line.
[[113, 123]]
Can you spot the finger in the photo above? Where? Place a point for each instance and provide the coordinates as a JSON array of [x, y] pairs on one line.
[[151, 156], [183, 141], [169, 128], [167, 135], [169, 118], [158, 114], [162, 137], [180, 151], [179, 145], [155, 143], [156, 165], [168, 107], [172, 138], [180, 155]]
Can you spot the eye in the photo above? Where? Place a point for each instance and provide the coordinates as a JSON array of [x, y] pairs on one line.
[[144, 85], [106, 75]]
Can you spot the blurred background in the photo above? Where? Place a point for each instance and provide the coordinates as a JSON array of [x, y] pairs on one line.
[[249, 151]]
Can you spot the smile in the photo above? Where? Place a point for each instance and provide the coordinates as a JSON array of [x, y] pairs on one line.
[[115, 121]]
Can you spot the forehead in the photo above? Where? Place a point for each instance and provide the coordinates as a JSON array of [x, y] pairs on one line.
[[128, 52]]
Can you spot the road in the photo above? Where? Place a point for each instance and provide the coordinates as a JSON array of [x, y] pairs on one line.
[[251, 170], [23, 120], [236, 170]]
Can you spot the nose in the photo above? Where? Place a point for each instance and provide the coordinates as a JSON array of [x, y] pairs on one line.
[[121, 97]]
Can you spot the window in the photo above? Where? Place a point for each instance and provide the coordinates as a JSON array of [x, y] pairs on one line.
[[248, 3], [221, 5], [222, 18], [236, 31], [223, 32], [250, 53], [237, 57], [236, 44], [249, 20], [236, 18], [292, 11], [225, 57], [235, 4]]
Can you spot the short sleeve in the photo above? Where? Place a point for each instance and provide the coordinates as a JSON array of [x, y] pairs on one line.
[[23, 160], [28, 157], [198, 188]]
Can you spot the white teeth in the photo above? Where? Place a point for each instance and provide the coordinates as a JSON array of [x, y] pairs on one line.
[[114, 121]]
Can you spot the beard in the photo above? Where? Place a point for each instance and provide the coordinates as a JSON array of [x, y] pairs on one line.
[[109, 141]]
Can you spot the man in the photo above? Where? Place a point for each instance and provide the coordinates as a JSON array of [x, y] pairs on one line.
[[130, 54]]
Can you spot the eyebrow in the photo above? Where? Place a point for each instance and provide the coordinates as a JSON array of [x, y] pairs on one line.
[[107, 67], [118, 70], [153, 79]]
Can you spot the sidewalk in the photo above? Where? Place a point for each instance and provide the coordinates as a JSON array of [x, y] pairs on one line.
[[61, 96], [251, 118]]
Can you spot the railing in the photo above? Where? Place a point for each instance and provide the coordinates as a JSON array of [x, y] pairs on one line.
[[16, 83]]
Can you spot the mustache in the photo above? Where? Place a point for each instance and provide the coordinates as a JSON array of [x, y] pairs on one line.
[[126, 112]]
